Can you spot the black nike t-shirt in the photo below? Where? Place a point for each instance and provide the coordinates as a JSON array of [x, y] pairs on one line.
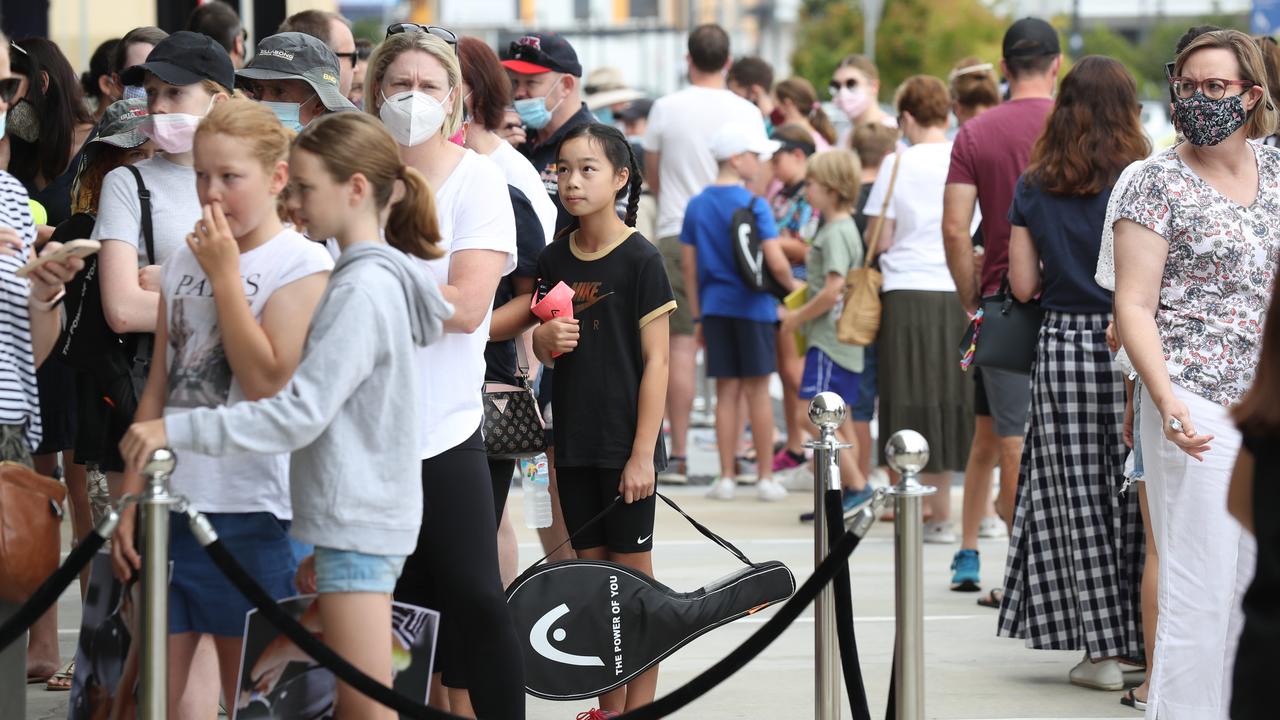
[[618, 290]]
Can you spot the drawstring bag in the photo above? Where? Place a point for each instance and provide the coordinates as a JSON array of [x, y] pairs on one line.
[[859, 321], [590, 626]]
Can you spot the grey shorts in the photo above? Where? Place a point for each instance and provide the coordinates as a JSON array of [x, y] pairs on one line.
[[681, 322], [1006, 397]]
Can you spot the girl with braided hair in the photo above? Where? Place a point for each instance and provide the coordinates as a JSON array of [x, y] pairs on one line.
[[611, 361]]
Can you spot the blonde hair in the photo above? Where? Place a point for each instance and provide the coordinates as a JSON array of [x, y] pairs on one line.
[[253, 125], [1263, 117], [838, 170], [349, 143], [398, 44]]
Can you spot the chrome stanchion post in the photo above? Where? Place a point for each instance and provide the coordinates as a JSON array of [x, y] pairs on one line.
[[827, 411], [155, 504], [907, 452]]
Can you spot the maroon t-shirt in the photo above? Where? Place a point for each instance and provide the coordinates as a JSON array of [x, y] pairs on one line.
[[990, 153]]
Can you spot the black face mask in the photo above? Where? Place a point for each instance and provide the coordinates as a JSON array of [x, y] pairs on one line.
[[23, 122]]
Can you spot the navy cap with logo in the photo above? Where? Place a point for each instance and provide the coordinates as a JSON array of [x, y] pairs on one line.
[[185, 58], [1030, 37], [298, 56], [539, 53]]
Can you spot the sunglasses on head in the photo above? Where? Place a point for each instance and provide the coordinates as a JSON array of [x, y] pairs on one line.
[[443, 33]]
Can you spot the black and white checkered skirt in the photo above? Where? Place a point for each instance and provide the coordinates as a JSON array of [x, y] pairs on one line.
[[1074, 572]]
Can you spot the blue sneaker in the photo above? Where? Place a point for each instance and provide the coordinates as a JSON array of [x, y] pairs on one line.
[[855, 499], [964, 571]]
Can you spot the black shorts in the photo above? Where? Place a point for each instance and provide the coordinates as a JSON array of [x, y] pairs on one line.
[[738, 348], [584, 492]]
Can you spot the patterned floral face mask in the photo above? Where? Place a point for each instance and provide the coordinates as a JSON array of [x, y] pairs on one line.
[[1209, 122]]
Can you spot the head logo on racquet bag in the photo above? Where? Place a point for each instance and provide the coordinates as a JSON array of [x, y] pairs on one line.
[[587, 627]]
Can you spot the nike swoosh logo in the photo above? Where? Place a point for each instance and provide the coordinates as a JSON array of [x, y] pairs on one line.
[[643, 540], [579, 308]]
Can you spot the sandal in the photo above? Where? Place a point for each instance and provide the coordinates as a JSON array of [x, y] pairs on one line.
[[61, 680], [1131, 700], [992, 598]]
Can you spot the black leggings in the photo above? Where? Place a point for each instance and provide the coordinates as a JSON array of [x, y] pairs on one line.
[[500, 474], [455, 570]]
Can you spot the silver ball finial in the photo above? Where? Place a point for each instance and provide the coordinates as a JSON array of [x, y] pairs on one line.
[[162, 462], [907, 451], [827, 409]]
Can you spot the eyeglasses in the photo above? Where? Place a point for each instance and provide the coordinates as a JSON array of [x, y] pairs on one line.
[[835, 86], [354, 55], [442, 33], [1213, 88], [9, 88]]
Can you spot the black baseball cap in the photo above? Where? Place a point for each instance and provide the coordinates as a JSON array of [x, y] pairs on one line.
[[538, 53], [1030, 37], [298, 56], [185, 58]]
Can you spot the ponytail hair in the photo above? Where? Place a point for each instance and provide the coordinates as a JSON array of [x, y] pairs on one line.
[[618, 151], [801, 94], [349, 143]]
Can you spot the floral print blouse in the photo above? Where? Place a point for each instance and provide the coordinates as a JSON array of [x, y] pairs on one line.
[[1219, 274]]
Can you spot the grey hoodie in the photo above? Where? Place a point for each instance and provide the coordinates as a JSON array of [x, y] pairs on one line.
[[349, 414]]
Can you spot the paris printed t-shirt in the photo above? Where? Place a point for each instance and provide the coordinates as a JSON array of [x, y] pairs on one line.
[[618, 290], [200, 375]]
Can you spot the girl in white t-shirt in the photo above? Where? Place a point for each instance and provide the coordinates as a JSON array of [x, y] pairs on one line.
[[415, 87], [235, 306]]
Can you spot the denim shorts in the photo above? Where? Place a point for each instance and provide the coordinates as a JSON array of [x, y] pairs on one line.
[[340, 571], [201, 599]]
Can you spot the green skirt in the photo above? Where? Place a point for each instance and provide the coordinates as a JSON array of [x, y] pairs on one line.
[[921, 385]]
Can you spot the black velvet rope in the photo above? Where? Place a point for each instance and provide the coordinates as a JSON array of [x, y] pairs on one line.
[[850, 664], [666, 705], [50, 590]]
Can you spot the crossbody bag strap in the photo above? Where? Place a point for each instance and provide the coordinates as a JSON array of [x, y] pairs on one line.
[[704, 530], [144, 197], [873, 237], [522, 360]]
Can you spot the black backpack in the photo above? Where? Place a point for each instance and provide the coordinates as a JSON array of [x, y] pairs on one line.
[[88, 344], [750, 256]]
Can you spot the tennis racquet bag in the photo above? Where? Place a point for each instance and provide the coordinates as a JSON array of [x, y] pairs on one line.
[[587, 627]]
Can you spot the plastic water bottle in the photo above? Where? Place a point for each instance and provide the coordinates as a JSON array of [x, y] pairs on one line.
[[537, 491]]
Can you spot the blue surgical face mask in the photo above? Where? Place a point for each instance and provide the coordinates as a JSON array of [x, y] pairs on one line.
[[135, 92], [287, 112], [605, 115], [534, 113]]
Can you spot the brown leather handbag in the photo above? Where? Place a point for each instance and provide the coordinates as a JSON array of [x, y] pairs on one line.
[[30, 515]]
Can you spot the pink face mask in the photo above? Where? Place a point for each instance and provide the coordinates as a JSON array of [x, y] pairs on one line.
[[852, 102], [171, 132], [459, 138]]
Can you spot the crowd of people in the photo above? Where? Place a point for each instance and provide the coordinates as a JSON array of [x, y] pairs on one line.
[[316, 252]]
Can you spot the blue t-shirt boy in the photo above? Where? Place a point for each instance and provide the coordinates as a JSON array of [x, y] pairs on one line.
[[721, 291]]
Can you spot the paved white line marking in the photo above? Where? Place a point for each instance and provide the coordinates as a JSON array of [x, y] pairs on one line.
[[871, 619]]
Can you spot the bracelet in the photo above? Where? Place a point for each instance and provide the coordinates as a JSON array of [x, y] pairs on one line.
[[47, 305]]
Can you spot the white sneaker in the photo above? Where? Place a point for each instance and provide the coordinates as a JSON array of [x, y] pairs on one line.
[[722, 489], [991, 527], [939, 532], [1105, 675], [770, 491], [797, 479]]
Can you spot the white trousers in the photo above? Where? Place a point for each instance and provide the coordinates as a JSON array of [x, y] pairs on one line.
[[1206, 563]]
